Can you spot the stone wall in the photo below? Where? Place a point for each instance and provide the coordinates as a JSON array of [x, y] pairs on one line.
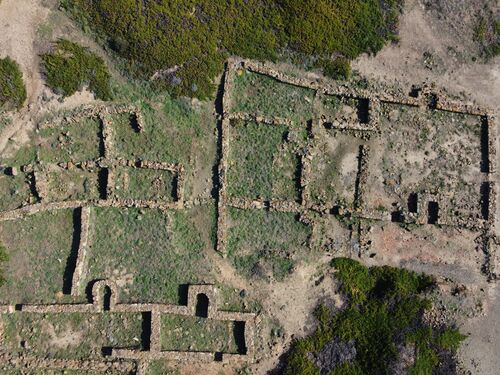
[[143, 357], [425, 96]]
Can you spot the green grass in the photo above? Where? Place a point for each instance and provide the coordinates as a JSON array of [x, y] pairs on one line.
[[70, 66], [140, 183], [194, 37], [14, 191], [384, 312], [261, 242], [160, 367], [173, 127], [266, 171], [260, 94], [38, 248], [4, 258], [72, 184], [12, 88], [70, 335], [74, 142], [231, 299], [151, 252], [190, 333]]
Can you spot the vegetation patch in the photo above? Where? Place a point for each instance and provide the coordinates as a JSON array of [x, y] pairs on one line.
[[487, 33], [334, 170], [4, 258], [231, 299], [194, 334], [188, 40], [73, 184], [70, 66], [171, 127], [160, 367], [123, 243], [383, 316], [142, 183], [76, 142], [262, 243], [70, 335], [12, 88], [262, 165], [260, 94], [38, 248], [14, 190]]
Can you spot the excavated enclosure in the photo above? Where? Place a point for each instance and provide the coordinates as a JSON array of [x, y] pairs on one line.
[[303, 165]]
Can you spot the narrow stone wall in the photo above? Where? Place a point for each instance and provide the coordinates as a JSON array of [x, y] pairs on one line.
[[81, 260]]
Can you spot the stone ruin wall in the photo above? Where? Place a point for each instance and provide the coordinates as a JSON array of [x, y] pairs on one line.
[[118, 359], [363, 130]]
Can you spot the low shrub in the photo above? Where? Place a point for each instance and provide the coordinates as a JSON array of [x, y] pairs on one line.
[[70, 66], [188, 40], [339, 69], [384, 313], [12, 88]]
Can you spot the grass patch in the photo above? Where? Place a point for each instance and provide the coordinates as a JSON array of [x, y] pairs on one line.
[[266, 172], [194, 37], [123, 243], [12, 88], [141, 183], [262, 243], [384, 313], [70, 335], [70, 66], [231, 299], [171, 127], [160, 367], [14, 190], [261, 94], [74, 142], [72, 184], [194, 334], [4, 258], [38, 248]]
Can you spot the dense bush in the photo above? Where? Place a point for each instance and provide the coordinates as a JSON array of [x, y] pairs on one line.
[[384, 313], [70, 66], [339, 68], [12, 89], [189, 39]]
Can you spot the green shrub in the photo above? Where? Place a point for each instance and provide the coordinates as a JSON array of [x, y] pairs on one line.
[[451, 338], [12, 89], [70, 66], [189, 39], [339, 69], [384, 313]]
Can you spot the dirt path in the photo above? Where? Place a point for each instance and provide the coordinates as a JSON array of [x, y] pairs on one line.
[[18, 25]]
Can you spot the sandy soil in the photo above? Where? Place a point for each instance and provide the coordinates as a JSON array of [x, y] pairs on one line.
[[421, 31]]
